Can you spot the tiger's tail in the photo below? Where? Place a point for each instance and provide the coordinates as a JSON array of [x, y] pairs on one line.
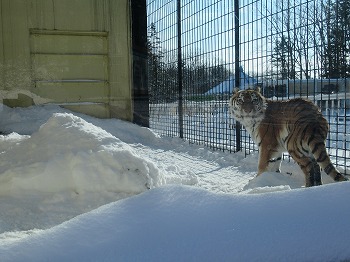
[[322, 158]]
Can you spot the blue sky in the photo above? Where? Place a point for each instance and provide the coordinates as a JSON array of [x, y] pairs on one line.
[[208, 29]]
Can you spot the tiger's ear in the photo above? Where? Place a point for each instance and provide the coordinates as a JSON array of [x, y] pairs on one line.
[[235, 90], [258, 89]]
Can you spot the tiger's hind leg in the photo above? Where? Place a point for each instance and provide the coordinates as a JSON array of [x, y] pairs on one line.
[[315, 173], [309, 167]]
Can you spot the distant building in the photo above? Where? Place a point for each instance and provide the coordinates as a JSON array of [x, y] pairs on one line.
[[304, 87], [227, 86]]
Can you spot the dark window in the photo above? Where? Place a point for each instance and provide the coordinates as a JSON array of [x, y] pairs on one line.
[[330, 89], [281, 90]]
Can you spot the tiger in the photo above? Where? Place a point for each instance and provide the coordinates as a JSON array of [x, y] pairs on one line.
[[296, 126]]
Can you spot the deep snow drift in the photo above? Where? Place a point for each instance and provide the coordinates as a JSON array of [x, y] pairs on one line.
[[188, 203], [179, 223]]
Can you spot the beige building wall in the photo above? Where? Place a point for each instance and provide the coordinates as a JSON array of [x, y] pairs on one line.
[[76, 53]]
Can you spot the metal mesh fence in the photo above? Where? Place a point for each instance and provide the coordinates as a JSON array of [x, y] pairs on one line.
[[200, 50]]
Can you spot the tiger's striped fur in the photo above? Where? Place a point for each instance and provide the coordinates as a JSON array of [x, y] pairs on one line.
[[296, 126]]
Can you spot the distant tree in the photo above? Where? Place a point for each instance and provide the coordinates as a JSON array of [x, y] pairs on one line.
[[154, 56], [283, 58], [155, 65], [218, 73], [295, 27], [337, 50], [199, 73], [202, 74]]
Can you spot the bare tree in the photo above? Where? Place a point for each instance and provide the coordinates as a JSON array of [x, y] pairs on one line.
[[300, 28]]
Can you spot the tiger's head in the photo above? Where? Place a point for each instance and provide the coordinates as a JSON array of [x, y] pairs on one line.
[[247, 103]]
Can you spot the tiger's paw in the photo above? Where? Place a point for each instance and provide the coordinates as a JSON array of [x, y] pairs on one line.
[[339, 177]]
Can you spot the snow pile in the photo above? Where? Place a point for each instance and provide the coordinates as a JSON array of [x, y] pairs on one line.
[[177, 223], [68, 153], [26, 121]]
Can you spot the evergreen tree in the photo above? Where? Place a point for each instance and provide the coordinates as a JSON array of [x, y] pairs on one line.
[[154, 62], [337, 50], [283, 58], [199, 74]]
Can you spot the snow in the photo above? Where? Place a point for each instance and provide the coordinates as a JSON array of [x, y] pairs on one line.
[[69, 153], [77, 188]]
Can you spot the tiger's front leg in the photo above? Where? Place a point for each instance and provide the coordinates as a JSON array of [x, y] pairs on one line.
[[269, 160]]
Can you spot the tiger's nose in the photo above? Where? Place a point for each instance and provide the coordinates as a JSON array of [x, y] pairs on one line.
[[247, 108]]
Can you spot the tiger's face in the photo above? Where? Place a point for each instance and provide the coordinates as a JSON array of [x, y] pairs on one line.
[[247, 103]]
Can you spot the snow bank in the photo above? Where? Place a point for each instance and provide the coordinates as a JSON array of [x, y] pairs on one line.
[[69, 154], [26, 121], [178, 223]]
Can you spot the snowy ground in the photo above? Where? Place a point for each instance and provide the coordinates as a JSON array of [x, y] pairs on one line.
[[166, 200]]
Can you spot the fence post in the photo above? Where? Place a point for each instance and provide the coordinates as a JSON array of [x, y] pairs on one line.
[[237, 69], [179, 67], [139, 53]]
